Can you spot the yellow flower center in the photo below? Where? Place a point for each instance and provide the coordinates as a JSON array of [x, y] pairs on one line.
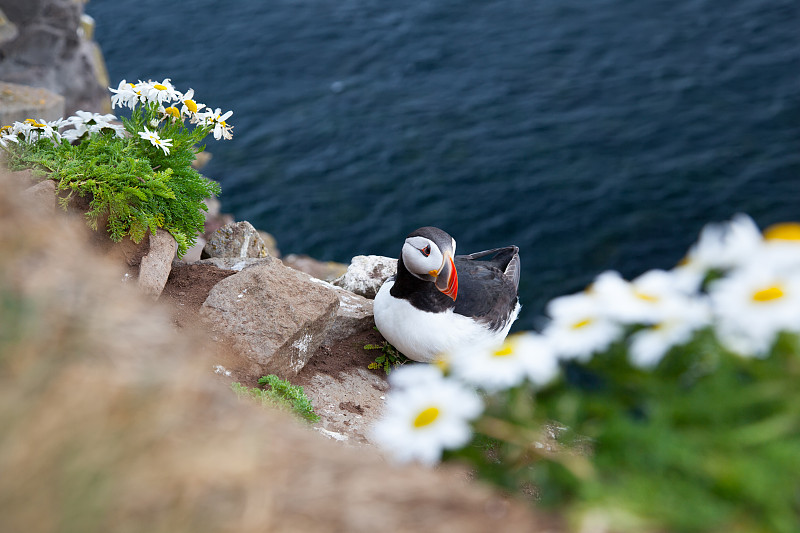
[[787, 231], [33, 123], [582, 324], [646, 297], [173, 111], [191, 105], [505, 351], [441, 362], [768, 294], [426, 417], [160, 87]]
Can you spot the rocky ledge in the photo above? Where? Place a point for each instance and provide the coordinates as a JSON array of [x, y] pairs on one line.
[[111, 397], [264, 316]]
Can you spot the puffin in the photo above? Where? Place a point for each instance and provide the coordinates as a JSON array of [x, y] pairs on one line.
[[439, 301]]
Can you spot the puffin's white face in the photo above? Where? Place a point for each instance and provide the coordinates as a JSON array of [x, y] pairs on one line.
[[422, 257], [425, 260]]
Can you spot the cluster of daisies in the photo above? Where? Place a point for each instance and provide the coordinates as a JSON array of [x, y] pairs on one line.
[[740, 283], [82, 123], [168, 103], [167, 99]]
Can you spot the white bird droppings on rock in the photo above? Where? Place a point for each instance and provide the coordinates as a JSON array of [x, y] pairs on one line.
[[302, 343], [219, 369], [332, 434]]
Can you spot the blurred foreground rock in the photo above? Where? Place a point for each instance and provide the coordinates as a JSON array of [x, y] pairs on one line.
[[114, 421]]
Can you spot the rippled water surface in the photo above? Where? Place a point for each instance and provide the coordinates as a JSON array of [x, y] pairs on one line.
[[594, 135]]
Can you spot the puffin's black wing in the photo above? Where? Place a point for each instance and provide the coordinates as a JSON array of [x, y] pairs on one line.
[[487, 285]]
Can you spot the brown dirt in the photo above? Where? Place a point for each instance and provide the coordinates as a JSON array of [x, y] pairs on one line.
[[188, 287], [348, 354]]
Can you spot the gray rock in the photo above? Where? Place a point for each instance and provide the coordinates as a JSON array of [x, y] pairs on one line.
[[271, 242], [237, 239], [347, 405], [8, 30], [230, 263], [149, 262], [19, 102], [156, 264], [366, 274], [193, 253], [353, 316], [51, 50], [273, 315]]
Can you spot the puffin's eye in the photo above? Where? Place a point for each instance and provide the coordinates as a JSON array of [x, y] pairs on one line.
[[426, 251]]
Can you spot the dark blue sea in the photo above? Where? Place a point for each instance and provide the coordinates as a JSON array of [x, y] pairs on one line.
[[595, 135]]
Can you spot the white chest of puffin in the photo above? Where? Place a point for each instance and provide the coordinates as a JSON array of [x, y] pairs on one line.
[[439, 301]]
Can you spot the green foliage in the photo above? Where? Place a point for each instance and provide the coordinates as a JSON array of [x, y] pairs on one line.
[[281, 394], [388, 359], [707, 441], [137, 185]]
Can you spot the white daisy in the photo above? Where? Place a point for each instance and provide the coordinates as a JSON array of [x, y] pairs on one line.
[[156, 141], [7, 134], [159, 92], [720, 247], [494, 368], [170, 112], [40, 129], [781, 249], [126, 95], [423, 419], [679, 318], [85, 122], [190, 107], [214, 118], [580, 326], [412, 375], [752, 305], [641, 301]]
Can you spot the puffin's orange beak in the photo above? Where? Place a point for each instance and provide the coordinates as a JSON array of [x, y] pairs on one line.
[[447, 277]]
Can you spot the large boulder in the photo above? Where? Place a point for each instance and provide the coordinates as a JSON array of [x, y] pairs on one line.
[[274, 316], [354, 315], [366, 274]]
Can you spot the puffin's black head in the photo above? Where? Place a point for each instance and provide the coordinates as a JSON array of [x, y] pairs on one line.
[[428, 255]]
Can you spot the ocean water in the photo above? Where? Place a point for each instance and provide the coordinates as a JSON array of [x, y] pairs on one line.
[[594, 135]]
